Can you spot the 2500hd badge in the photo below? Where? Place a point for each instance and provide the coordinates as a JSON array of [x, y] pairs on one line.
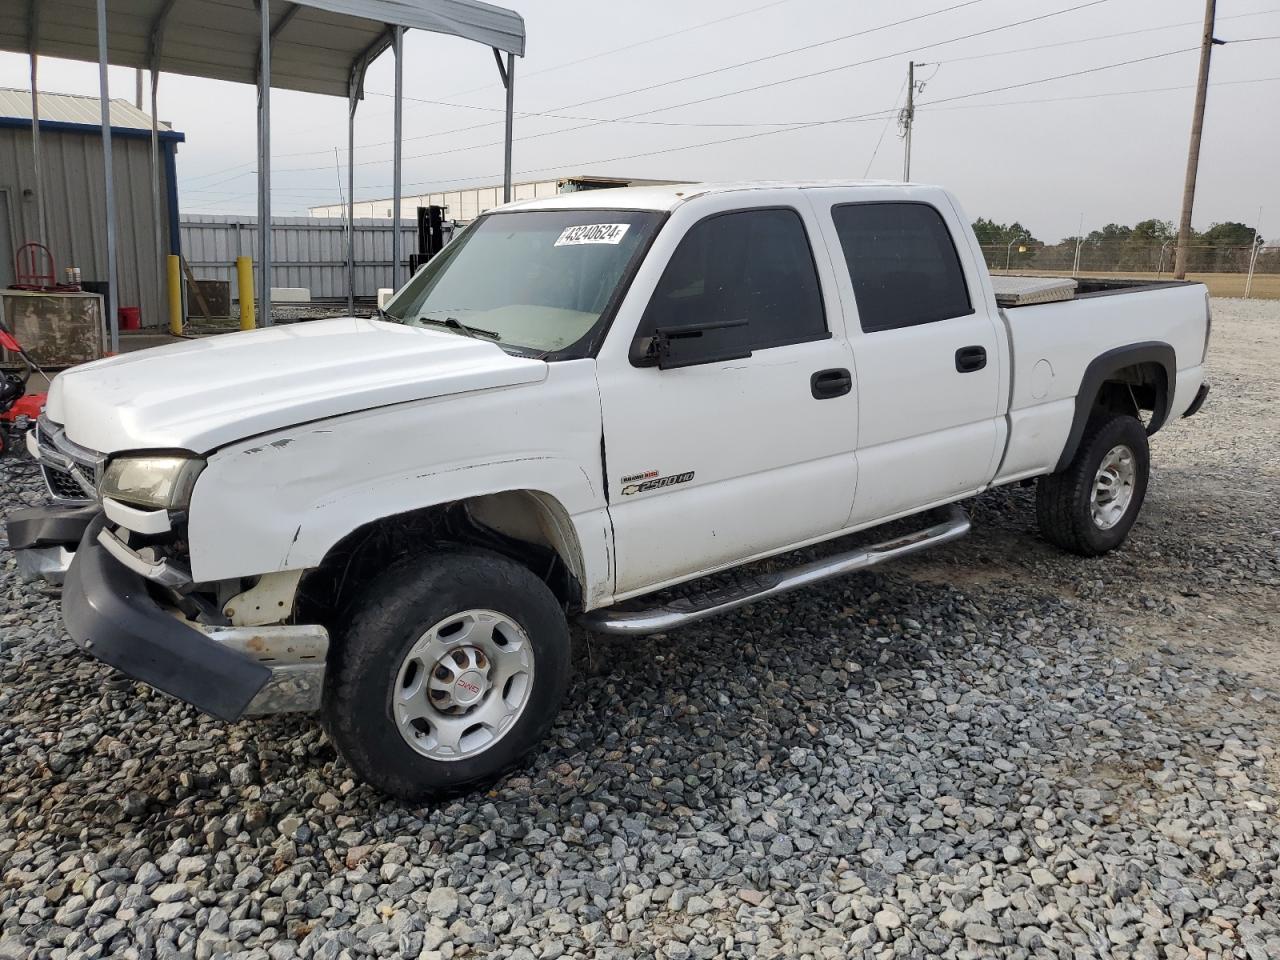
[[657, 484]]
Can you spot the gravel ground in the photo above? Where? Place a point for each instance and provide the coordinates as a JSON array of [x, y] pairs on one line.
[[995, 750]]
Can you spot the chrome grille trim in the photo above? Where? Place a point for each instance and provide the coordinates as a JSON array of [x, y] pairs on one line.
[[71, 472]]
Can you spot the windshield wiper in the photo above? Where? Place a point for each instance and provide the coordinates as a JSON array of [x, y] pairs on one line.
[[454, 324]]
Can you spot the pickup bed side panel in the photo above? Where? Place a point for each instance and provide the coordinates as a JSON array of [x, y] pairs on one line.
[[281, 501], [1054, 344]]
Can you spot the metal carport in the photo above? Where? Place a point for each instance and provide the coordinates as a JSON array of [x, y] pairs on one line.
[[315, 46]]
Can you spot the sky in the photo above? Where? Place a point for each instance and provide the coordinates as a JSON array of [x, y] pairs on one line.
[[1106, 140]]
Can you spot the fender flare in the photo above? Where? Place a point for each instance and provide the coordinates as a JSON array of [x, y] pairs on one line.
[[1106, 365]]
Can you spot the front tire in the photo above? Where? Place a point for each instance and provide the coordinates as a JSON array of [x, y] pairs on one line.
[[1089, 507], [451, 670]]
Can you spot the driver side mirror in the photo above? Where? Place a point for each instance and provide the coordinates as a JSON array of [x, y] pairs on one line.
[[685, 346]]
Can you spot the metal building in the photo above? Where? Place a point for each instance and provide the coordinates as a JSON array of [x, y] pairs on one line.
[[468, 203], [74, 193]]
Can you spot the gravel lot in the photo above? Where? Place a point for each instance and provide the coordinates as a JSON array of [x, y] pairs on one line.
[[995, 750]]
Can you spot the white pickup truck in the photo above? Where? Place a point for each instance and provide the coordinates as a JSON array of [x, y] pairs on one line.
[[581, 401]]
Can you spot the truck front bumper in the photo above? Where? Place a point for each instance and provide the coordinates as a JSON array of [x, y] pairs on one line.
[[228, 672], [44, 537]]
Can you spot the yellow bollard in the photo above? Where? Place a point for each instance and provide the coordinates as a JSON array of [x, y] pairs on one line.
[[244, 278], [175, 296]]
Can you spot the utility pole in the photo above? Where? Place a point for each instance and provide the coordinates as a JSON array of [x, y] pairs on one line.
[[1193, 152], [906, 118], [137, 99]]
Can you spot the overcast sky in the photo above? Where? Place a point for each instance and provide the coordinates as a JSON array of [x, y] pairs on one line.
[[1080, 149]]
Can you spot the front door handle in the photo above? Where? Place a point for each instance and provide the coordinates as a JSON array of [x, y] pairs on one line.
[[828, 384], [969, 359]]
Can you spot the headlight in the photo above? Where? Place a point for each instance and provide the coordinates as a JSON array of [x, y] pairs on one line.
[[160, 483]]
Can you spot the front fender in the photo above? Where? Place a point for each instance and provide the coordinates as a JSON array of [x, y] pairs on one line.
[[281, 501]]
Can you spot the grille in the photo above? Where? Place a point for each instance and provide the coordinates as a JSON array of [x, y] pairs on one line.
[[62, 484]]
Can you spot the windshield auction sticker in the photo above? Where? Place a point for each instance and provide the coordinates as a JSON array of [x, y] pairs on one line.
[[593, 233]]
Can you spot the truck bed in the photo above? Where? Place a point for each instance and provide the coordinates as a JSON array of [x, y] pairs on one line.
[[1053, 343], [1024, 290]]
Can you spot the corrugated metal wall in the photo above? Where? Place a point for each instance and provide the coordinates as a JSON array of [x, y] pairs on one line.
[[305, 251], [75, 206]]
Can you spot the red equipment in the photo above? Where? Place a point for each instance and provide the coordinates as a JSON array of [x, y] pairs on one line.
[[27, 271], [19, 410]]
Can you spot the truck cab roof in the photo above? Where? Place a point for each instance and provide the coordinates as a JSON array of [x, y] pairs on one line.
[[666, 197]]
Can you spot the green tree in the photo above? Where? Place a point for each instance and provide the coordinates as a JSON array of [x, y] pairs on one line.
[[995, 239], [1224, 247], [1230, 233], [1157, 231], [1111, 232]]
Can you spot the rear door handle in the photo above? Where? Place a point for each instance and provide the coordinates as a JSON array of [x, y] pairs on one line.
[[969, 359], [828, 384]]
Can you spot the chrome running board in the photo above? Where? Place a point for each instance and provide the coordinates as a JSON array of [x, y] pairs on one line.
[[709, 603]]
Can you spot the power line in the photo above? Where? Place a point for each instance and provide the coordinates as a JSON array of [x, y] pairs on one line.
[[705, 73], [1105, 36], [683, 31], [804, 48], [885, 129], [1064, 76], [731, 93], [888, 114], [889, 117], [878, 114], [1097, 96], [635, 118], [592, 121]]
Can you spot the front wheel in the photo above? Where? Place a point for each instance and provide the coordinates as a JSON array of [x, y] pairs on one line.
[[451, 670], [1089, 507]]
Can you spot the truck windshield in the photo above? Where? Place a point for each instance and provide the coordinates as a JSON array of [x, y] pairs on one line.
[[536, 281]]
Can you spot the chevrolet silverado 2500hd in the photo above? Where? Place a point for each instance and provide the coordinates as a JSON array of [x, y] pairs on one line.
[[581, 401]]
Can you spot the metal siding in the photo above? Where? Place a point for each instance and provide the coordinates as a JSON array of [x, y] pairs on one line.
[[70, 108], [75, 206], [307, 252]]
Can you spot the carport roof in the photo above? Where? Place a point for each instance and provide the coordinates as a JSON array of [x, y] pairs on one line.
[[318, 46]]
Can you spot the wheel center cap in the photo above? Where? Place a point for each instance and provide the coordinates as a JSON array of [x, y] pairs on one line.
[[468, 688]]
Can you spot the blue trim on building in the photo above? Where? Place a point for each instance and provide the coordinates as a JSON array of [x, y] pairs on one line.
[[171, 186], [62, 126]]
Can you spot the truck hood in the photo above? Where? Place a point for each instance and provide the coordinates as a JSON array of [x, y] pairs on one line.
[[202, 394]]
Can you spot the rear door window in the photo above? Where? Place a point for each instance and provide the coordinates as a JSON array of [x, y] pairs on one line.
[[903, 264], [752, 265]]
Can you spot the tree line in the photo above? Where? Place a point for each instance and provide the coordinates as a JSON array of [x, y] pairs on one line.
[[1147, 246]]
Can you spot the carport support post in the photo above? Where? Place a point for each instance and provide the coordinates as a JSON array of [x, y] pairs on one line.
[[397, 43], [508, 74], [511, 105], [162, 260], [113, 322], [351, 201], [36, 157], [264, 168]]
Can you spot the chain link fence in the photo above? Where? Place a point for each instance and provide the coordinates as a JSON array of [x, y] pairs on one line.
[[1224, 268]]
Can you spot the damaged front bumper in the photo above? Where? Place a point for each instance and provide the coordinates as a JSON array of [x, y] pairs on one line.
[[45, 537], [112, 612]]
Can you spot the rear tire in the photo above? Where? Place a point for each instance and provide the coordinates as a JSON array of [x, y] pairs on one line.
[[451, 670], [1089, 507]]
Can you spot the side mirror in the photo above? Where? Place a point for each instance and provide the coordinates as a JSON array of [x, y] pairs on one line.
[[684, 346]]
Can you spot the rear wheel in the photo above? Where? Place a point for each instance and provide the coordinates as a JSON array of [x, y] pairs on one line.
[[1089, 507], [450, 672]]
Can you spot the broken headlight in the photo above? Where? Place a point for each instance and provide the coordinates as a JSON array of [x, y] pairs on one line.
[[156, 483]]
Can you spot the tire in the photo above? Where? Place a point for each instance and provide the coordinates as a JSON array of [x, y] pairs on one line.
[[384, 670], [1065, 508]]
